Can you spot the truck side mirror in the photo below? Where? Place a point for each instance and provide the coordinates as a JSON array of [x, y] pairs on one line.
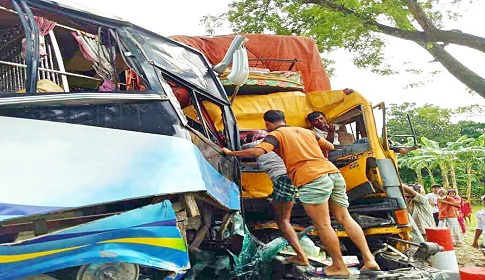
[[240, 67], [236, 44]]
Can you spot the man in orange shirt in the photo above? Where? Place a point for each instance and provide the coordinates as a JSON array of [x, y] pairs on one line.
[[321, 189]]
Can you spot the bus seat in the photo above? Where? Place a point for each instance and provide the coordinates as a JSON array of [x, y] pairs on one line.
[[45, 86]]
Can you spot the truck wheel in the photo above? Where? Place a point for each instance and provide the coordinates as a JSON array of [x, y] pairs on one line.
[[112, 271]]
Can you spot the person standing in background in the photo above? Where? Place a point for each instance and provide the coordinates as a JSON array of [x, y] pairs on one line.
[[480, 216], [422, 212], [447, 215], [432, 198], [466, 209], [459, 213]]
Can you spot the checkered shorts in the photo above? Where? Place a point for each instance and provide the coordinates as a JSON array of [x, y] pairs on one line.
[[283, 189]]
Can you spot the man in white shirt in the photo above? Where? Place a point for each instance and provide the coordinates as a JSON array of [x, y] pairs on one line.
[[433, 201], [322, 127], [480, 215]]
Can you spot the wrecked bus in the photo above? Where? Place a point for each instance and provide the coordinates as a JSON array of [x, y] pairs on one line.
[[111, 160], [103, 176], [287, 73]]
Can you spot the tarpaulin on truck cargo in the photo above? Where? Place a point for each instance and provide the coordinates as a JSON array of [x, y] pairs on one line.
[[263, 46]]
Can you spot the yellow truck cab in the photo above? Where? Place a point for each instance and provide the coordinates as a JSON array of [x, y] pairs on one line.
[[287, 74]]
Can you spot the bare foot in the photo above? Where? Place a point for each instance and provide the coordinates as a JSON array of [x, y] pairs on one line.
[[370, 266], [297, 260], [336, 271]]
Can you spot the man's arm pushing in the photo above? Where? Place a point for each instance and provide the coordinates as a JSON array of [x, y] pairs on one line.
[[407, 189], [247, 153]]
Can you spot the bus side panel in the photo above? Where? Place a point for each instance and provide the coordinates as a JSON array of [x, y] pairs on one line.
[[146, 236]]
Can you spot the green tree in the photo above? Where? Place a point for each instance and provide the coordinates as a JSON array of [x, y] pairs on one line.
[[467, 127], [471, 129], [419, 160], [411, 163], [440, 157], [454, 150], [429, 121], [456, 159], [472, 155], [359, 26]]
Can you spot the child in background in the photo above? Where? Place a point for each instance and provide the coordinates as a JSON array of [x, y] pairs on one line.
[[466, 209]]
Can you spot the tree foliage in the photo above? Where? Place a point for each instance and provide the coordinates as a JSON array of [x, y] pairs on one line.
[[361, 27], [471, 129], [457, 162], [451, 154], [429, 121]]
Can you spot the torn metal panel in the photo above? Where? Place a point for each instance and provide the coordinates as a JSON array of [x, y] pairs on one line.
[[99, 165]]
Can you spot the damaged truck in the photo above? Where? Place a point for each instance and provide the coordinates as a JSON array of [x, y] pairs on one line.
[[111, 154], [287, 73]]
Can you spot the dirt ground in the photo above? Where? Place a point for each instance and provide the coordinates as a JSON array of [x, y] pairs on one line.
[[466, 254]]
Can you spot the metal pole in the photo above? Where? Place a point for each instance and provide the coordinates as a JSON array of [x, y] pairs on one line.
[[49, 70], [60, 62]]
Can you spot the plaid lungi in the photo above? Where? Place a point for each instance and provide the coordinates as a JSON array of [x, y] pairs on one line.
[[283, 189]]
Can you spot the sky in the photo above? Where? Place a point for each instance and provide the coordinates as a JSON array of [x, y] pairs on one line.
[[182, 17]]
